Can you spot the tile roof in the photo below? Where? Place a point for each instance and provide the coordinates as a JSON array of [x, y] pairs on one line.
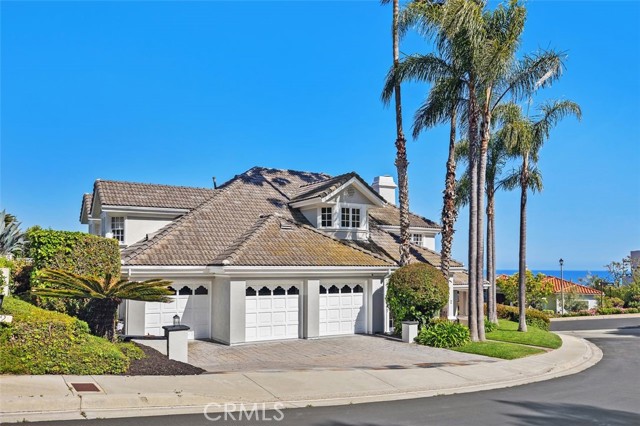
[[237, 224], [85, 209], [571, 287], [327, 186], [277, 241], [117, 193], [389, 215]]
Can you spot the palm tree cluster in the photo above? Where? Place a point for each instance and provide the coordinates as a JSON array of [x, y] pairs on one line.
[[476, 81]]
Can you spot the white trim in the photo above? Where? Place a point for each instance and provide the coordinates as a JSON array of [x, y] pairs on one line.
[[434, 230], [371, 196], [156, 210]]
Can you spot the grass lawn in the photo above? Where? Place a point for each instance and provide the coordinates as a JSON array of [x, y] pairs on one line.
[[508, 332], [502, 350]]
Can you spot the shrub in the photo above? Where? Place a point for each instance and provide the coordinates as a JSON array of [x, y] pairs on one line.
[[610, 311], [489, 326], [633, 311], [45, 342], [76, 252], [577, 305], [616, 302], [441, 333], [534, 317], [415, 293]]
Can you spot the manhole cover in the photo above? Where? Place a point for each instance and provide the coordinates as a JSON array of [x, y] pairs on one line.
[[85, 387]]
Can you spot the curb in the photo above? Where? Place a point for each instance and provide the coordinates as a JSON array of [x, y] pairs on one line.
[[595, 317], [510, 373]]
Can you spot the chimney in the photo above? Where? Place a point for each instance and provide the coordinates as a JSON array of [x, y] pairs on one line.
[[386, 187]]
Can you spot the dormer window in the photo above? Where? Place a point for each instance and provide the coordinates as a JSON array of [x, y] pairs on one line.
[[117, 228], [327, 217], [416, 239], [350, 218]]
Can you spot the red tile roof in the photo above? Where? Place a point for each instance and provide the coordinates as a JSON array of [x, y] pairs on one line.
[[569, 286]]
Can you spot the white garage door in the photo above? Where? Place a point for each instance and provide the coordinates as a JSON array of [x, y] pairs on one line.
[[342, 309], [192, 303], [271, 312]]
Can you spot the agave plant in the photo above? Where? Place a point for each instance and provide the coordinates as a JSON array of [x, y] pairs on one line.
[[11, 239], [105, 295]]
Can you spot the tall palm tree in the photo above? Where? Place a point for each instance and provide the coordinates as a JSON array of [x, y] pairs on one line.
[[105, 295], [497, 156], [524, 137], [402, 164]]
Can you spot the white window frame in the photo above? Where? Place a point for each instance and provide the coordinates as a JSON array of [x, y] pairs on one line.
[[347, 214], [323, 212], [119, 235], [417, 239], [355, 211]]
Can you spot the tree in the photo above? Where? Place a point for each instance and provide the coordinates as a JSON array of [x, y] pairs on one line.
[[11, 238], [497, 156], [402, 164], [538, 288], [524, 137], [620, 272], [105, 295]]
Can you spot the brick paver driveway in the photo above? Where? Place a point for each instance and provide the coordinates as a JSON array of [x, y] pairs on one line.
[[348, 352]]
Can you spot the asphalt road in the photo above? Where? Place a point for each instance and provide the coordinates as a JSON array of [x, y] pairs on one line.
[[606, 394]]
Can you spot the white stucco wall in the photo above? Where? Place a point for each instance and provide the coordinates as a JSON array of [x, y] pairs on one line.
[[137, 227]]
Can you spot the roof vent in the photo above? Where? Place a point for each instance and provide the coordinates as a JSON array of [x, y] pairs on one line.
[[284, 224]]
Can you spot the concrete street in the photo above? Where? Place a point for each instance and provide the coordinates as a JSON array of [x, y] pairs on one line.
[[606, 394]]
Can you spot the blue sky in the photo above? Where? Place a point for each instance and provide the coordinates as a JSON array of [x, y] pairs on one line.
[[178, 92]]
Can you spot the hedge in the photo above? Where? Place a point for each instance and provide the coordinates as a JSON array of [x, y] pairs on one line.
[[76, 252], [44, 342], [534, 317], [442, 333]]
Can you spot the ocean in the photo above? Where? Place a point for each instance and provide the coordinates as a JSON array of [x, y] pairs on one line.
[[574, 276]]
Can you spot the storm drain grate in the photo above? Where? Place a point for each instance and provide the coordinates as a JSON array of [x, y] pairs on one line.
[[85, 387]]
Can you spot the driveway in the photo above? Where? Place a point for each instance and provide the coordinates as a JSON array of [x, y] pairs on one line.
[[347, 352]]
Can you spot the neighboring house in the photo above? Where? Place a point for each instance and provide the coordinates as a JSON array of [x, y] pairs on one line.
[[270, 254], [571, 290]]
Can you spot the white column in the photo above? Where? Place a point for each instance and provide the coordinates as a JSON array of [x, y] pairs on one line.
[[451, 310], [386, 308], [237, 314], [311, 309]]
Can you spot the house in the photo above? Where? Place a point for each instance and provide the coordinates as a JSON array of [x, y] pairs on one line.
[[573, 291], [270, 254]]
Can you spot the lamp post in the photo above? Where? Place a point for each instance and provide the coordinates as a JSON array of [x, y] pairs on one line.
[[561, 287]]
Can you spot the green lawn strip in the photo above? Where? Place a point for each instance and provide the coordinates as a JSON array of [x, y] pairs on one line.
[[496, 349], [508, 332]]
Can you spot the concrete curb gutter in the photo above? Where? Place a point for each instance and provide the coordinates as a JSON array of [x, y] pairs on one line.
[[136, 396], [595, 317]]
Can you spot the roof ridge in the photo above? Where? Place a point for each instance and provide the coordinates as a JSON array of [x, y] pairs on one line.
[[236, 248], [325, 180], [154, 184], [139, 246]]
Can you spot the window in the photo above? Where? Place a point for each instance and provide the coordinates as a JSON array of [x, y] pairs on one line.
[[416, 239], [117, 228], [355, 218], [327, 217], [350, 218], [344, 218]]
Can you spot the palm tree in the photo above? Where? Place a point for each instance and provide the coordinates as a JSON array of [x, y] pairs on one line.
[[402, 164], [497, 156], [11, 238], [524, 137], [105, 295]]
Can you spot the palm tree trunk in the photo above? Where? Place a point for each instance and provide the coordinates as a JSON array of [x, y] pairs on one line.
[[473, 211], [522, 266], [449, 211], [402, 164], [491, 254], [482, 176], [100, 315]]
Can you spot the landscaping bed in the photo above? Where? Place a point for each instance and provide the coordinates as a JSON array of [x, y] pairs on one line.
[[156, 364]]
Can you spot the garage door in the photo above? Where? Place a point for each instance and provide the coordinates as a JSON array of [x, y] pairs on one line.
[[271, 312], [191, 303], [342, 309]]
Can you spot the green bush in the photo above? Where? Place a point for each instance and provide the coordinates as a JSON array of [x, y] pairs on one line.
[[489, 326], [415, 293], [616, 302], [45, 342], [442, 333], [76, 252], [633, 311], [610, 311], [534, 317]]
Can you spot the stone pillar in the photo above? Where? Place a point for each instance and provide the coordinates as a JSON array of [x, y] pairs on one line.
[[177, 338], [409, 331], [311, 309]]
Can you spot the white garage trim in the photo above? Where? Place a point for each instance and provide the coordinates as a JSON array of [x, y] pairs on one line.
[[191, 302], [342, 309], [272, 312]]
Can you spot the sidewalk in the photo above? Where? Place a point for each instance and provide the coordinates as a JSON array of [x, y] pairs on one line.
[[34, 398]]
